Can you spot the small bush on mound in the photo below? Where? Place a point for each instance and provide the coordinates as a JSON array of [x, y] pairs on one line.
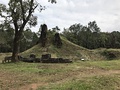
[[110, 54]]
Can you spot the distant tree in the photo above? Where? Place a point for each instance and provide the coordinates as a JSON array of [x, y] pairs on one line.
[[26, 40], [95, 35], [52, 1], [56, 29], [34, 39], [115, 39], [2, 41], [75, 30], [6, 38], [93, 27]]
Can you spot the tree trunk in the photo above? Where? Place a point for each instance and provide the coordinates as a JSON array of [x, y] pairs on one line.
[[16, 44]]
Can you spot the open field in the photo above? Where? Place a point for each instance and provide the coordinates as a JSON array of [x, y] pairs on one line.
[[80, 75]]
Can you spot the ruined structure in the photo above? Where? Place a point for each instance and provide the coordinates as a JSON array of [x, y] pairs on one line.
[[45, 58], [57, 40], [43, 36]]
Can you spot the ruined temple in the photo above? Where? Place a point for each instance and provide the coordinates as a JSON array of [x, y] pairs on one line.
[[57, 40], [43, 36]]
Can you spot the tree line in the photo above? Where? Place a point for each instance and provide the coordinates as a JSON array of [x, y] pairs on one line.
[[91, 37]]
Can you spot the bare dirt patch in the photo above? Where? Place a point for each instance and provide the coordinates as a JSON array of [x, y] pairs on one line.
[[33, 86]]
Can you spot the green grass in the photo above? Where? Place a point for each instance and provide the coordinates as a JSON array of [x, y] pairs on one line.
[[80, 75], [114, 65], [20, 67], [92, 83]]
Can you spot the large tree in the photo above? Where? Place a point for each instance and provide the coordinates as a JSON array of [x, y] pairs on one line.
[[20, 13]]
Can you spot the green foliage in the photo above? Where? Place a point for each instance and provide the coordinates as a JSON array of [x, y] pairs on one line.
[[6, 36], [111, 54], [90, 36], [56, 29], [87, 37], [28, 40], [93, 27], [52, 1]]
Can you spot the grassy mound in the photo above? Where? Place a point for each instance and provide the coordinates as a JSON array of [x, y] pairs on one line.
[[68, 50]]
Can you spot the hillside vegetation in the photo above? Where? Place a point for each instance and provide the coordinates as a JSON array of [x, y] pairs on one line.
[[68, 50], [71, 51]]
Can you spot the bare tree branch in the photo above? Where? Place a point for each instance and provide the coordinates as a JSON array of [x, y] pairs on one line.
[[22, 10], [31, 10]]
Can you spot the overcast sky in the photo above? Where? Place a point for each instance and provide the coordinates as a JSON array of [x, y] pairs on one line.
[[67, 12]]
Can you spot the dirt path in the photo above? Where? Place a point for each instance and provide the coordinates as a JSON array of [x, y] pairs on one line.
[[33, 86]]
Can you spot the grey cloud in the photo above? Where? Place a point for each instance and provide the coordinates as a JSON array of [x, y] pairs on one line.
[[67, 12]]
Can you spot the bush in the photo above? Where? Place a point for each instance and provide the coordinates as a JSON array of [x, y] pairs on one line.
[[110, 54]]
